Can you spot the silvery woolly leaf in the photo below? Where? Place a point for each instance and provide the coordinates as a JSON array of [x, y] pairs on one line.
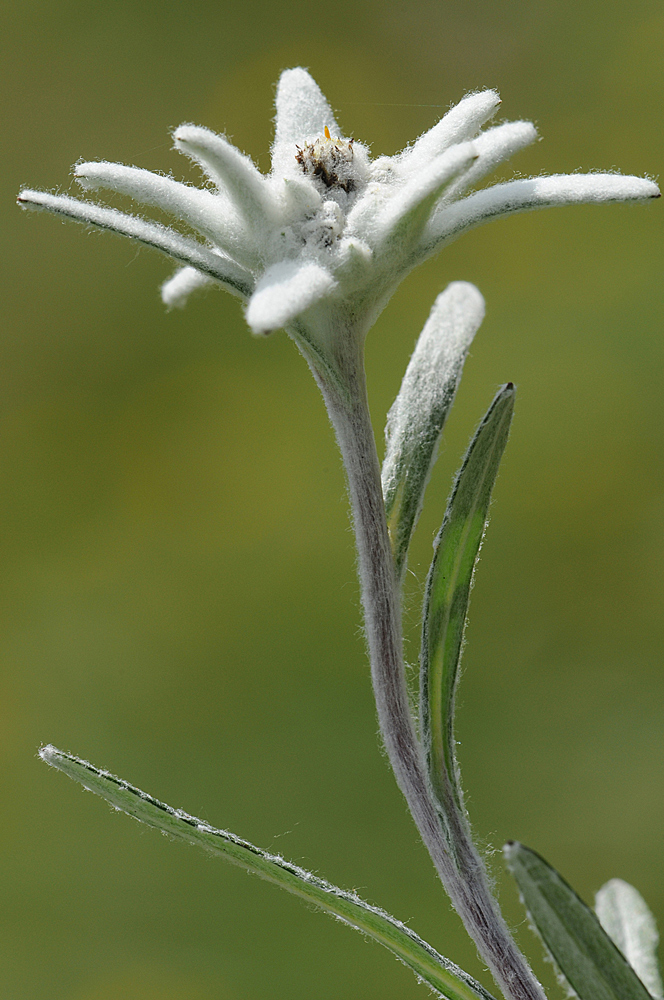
[[624, 915], [416, 419]]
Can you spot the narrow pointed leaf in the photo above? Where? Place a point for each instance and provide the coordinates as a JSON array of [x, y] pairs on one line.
[[493, 147], [401, 218], [583, 951], [186, 251], [407, 214], [624, 915], [444, 978], [212, 215], [450, 221], [415, 421], [448, 592], [233, 172], [302, 113], [462, 122]]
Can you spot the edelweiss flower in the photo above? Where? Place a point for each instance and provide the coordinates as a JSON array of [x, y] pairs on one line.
[[327, 223], [318, 246]]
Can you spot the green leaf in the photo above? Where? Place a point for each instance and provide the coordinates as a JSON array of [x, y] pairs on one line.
[[624, 915], [571, 932], [416, 419], [456, 550], [445, 979]]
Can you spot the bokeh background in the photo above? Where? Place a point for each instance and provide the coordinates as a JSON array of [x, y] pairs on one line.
[[177, 592]]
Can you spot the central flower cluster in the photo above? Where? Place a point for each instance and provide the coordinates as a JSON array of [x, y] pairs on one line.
[[340, 170], [328, 224], [335, 162]]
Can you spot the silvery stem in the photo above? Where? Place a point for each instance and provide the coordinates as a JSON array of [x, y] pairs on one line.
[[446, 837]]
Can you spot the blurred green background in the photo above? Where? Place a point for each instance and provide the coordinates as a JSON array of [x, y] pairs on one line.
[[177, 591]]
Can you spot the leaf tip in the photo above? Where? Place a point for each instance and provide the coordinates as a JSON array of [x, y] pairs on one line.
[[48, 752], [25, 199]]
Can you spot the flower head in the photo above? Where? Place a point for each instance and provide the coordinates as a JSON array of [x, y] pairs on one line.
[[328, 224]]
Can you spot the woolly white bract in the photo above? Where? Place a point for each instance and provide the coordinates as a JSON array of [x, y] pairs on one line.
[[328, 224]]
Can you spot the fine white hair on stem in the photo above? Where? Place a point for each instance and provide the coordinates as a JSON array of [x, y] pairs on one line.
[[234, 277], [177, 289], [456, 860]]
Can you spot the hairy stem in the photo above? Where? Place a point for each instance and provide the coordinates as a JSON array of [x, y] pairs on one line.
[[446, 834]]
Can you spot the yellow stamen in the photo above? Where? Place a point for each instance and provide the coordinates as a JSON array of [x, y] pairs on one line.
[[327, 133]]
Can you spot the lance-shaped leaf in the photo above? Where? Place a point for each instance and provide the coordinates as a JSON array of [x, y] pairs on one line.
[[207, 260], [405, 215], [493, 147], [302, 113], [448, 592], [462, 122], [624, 915], [212, 215], [524, 195], [231, 170], [416, 419], [442, 976], [583, 951]]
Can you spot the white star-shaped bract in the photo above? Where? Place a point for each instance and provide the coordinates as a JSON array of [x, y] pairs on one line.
[[328, 226]]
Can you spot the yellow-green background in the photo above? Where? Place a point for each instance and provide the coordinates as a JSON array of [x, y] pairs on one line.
[[177, 592]]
